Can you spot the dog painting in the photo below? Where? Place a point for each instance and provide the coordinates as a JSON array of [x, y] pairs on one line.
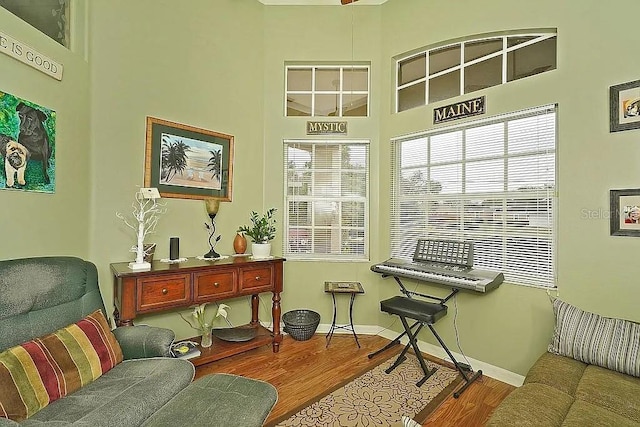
[[27, 145], [33, 135], [16, 156]]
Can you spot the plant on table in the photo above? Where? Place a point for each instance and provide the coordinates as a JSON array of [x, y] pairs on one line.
[[263, 227], [200, 322]]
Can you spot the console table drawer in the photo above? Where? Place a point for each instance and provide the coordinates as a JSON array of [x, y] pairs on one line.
[[162, 292], [214, 285], [256, 278]]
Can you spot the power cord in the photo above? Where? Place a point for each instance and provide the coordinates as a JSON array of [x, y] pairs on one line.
[[263, 306], [455, 328]]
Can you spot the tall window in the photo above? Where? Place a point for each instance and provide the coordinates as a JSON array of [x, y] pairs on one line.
[[327, 91], [327, 199], [48, 16], [492, 182], [454, 69]]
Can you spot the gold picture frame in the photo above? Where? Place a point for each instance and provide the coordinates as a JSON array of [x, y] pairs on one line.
[[188, 162]]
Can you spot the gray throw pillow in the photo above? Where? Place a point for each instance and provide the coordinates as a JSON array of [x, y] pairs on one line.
[[590, 338]]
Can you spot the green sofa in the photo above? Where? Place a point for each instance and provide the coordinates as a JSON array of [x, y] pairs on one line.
[[39, 296], [589, 376]]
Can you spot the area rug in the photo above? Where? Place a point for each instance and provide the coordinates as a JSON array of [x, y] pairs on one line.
[[376, 398]]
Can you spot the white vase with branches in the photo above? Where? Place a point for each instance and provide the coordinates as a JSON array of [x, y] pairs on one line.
[[146, 213]]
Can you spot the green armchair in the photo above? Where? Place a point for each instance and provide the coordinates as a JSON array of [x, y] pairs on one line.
[[41, 295]]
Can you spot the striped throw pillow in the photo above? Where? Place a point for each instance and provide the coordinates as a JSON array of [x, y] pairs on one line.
[[590, 338], [36, 373]]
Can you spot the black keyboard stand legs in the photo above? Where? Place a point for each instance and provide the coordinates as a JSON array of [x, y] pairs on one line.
[[468, 379]]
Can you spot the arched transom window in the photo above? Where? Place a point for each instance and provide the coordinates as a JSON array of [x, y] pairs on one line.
[[452, 69]]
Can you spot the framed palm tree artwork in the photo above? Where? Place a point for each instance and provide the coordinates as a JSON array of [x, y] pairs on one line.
[[187, 162]]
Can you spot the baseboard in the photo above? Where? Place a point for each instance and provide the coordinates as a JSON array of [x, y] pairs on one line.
[[489, 370], [492, 371]]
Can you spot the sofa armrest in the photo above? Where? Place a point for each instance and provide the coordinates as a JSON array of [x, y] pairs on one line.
[[138, 342]]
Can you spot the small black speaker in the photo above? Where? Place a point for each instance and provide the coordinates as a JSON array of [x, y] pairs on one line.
[[174, 248]]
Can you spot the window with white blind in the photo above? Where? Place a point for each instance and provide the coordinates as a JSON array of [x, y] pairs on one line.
[[492, 182], [327, 199]]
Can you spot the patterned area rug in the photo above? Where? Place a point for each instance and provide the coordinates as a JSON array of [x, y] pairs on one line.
[[376, 398]]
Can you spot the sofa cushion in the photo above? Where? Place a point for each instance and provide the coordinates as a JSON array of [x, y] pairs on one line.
[[562, 373], [40, 371], [219, 400], [583, 414], [611, 390], [532, 405], [597, 340], [40, 295], [125, 396]]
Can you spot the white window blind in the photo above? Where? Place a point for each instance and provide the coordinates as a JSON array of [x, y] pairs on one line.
[[491, 181], [327, 199]]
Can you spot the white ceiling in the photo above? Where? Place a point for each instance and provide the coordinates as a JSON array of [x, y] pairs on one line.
[[318, 2]]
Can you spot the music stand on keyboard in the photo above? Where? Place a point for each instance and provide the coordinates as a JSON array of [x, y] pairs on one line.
[[427, 313]]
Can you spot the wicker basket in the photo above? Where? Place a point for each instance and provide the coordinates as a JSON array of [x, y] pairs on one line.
[[301, 324]]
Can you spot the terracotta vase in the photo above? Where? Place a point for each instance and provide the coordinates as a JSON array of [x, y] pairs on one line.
[[240, 243]]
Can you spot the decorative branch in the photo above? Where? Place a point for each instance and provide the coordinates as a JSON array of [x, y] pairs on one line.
[[146, 212]]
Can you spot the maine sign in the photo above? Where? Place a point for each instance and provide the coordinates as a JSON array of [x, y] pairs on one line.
[[459, 110]]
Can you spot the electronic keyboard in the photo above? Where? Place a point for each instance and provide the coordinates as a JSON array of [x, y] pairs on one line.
[[455, 276]]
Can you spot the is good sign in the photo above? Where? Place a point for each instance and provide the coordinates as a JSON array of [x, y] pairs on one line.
[[26, 54]]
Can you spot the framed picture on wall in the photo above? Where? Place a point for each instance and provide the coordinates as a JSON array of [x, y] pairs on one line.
[[27, 145], [187, 162], [625, 212], [624, 107]]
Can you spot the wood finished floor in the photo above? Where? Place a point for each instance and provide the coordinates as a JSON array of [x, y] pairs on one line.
[[302, 370]]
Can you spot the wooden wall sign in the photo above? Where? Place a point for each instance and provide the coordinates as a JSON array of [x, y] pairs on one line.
[[459, 110], [31, 57], [326, 128]]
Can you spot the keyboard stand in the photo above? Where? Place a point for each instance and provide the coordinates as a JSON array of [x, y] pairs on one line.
[[424, 313]]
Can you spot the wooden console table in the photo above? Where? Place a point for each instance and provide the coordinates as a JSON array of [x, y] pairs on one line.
[[170, 286]]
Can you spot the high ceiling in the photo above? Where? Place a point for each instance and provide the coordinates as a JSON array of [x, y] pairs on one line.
[[318, 2]]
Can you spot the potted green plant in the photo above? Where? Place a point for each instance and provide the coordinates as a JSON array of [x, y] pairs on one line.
[[262, 230]]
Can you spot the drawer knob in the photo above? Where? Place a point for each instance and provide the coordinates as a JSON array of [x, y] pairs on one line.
[[216, 285], [164, 291], [257, 277]]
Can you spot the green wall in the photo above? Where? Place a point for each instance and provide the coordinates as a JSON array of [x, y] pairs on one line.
[[512, 326], [321, 34], [38, 223], [219, 65], [199, 63]]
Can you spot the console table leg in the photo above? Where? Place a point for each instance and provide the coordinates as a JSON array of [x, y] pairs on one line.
[[255, 301], [275, 316], [121, 322]]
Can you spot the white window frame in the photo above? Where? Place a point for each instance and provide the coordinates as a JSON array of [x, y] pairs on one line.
[[403, 238], [538, 37], [339, 92], [311, 198]]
